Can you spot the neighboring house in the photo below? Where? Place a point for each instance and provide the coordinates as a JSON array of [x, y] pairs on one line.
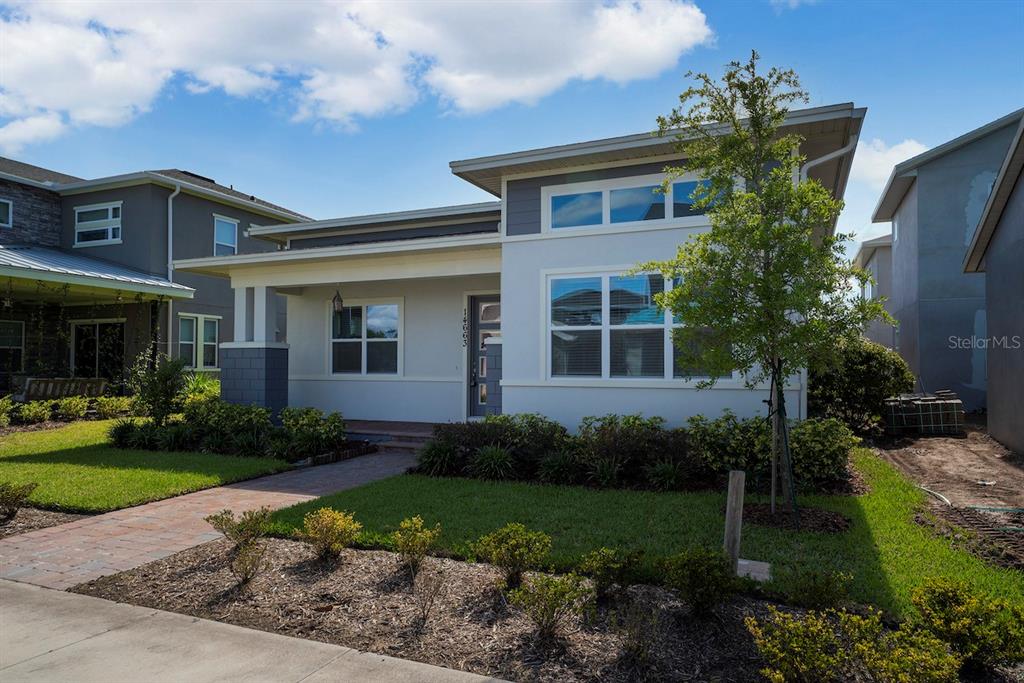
[[934, 202], [85, 278], [997, 249], [515, 305], [875, 256]]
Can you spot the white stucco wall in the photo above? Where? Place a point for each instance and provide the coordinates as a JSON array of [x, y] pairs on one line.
[[525, 386], [430, 387]]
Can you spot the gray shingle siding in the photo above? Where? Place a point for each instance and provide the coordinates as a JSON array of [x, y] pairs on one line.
[[255, 376], [36, 215], [396, 234]]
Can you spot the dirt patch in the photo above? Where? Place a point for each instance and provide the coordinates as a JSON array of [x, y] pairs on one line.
[[30, 519], [976, 532], [811, 519], [366, 601]]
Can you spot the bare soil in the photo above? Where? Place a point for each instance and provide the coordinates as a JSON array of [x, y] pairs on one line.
[[810, 519], [30, 519], [367, 601]]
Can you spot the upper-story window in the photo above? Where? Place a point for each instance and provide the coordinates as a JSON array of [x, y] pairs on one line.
[[225, 236], [621, 202], [97, 224], [6, 213]]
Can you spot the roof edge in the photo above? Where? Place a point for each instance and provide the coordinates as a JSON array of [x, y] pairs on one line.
[[1002, 189], [376, 218]]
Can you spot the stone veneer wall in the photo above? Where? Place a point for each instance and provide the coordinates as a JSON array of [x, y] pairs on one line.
[[36, 217], [493, 379], [255, 375]]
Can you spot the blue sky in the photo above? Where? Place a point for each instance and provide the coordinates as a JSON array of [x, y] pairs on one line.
[[329, 129]]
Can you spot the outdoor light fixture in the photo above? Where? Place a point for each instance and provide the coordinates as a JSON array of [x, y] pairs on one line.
[[337, 301]]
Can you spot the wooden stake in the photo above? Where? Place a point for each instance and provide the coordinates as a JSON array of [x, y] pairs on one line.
[[734, 516]]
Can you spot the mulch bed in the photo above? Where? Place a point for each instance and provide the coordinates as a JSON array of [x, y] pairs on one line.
[[811, 519], [30, 519], [37, 427], [366, 601]]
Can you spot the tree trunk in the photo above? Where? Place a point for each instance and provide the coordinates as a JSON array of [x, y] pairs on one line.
[[782, 466]]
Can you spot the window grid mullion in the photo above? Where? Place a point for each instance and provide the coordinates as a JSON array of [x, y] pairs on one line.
[[606, 337], [363, 340]]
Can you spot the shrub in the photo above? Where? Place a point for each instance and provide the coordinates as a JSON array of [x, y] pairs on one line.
[[12, 497], [145, 437], [703, 577], [413, 541], [820, 450], [729, 443], [638, 623], [330, 531], [609, 568], [906, 655], [813, 587], [175, 437], [248, 561], [614, 448], [72, 408], [440, 459], [34, 412], [222, 427], [198, 386], [427, 588], [665, 475], [121, 433], [560, 467], [157, 380], [535, 436], [311, 433], [469, 437], [112, 406], [853, 387], [6, 410], [981, 630], [515, 549], [803, 649], [549, 600], [492, 462], [243, 531]]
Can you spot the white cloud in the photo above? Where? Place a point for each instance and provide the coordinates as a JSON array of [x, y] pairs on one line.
[[780, 5], [875, 160], [103, 63], [20, 132]]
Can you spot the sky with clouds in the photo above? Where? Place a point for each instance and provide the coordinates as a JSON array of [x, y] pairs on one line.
[[342, 108]]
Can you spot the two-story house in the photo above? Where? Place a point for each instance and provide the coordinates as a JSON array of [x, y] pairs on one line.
[[86, 269], [522, 304], [934, 202], [875, 256]]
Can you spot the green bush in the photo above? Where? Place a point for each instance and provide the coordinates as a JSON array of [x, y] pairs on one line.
[[820, 450], [801, 649], [311, 433], [514, 549], [533, 437], [561, 467], [493, 462], [12, 498], [330, 531], [614, 448], [198, 386], [175, 437], [157, 381], [469, 437], [981, 630], [906, 655], [853, 387], [35, 412], [703, 578], [121, 432], [72, 408], [6, 410], [248, 561], [549, 600], [413, 541], [440, 459], [813, 587], [242, 531], [729, 443], [610, 568], [145, 437], [108, 407], [221, 427]]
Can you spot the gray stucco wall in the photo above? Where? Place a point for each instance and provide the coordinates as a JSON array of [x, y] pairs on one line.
[[36, 215], [1005, 296], [396, 234], [904, 282], [522, 208], [880, 266]]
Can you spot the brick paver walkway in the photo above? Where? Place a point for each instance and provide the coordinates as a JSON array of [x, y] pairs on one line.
[[66, 555]]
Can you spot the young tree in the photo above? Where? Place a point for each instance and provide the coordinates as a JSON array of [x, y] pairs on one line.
[[767, 290]]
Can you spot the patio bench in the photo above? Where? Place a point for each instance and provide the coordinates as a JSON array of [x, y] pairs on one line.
[[50, 388]]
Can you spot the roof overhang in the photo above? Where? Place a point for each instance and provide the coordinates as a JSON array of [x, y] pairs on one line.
[[87, 286], [825, 129], [1009, 176], [868, 248]]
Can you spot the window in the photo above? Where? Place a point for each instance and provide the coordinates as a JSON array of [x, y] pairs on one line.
[[609, 326], [364, 339], [6, 213], [98, 224], [200, 351], [12, 346], [225, 236], [623, 201], [97, 348]]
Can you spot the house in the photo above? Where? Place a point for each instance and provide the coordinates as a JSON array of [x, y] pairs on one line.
[[875, 256], [997, 249], [934, 201], [86, 282], [520, 304]]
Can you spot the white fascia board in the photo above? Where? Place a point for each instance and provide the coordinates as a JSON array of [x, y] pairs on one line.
[[175, 292], [372, 219], [895, 190], [52, 187]]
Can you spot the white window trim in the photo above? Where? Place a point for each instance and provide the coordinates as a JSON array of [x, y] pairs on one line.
[[606, 379], [21, 323], [109, 224], [226, 219], [10, 215], [197, 343], [605, 187], [363, 374]]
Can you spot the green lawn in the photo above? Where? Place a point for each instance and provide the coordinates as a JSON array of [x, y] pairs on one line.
[[79, 471], [887, 553]]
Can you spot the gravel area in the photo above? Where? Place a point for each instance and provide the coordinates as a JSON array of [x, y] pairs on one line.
[[30, 519]]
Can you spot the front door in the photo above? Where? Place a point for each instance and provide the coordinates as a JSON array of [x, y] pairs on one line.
[[484, 322]]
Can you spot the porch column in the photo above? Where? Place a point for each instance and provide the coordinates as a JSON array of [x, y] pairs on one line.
[[254, 367]]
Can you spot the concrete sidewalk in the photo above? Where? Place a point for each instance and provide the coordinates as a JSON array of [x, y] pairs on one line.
[[50, 636]]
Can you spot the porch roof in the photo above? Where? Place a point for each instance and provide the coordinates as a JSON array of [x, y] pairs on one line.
[[24, 265]]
